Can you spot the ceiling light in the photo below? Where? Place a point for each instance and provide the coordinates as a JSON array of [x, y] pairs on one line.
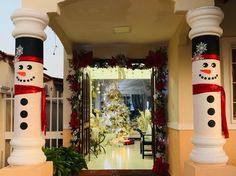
[[122, 29]]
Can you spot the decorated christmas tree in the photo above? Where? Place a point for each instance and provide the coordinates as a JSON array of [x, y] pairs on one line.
[[116, 114]]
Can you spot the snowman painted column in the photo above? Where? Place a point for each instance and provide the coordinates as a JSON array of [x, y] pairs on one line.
[[29, 104], [208, 95]]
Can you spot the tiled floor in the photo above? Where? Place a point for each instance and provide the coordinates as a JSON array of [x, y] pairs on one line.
[[123, 157]]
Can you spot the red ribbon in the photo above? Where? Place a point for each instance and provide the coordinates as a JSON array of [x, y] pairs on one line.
[[30, 58], [206, 56], [26, 89], [202, 88], [211, 56]]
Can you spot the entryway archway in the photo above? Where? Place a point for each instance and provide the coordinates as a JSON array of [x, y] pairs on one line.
[[79, 81]]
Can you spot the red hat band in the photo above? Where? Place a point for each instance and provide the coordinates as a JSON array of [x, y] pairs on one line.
[[30, 58], [205, 56]]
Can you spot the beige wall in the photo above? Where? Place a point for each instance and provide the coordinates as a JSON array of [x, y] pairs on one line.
[[183, 5], [52, 91], [7, 81], [180, 147], [42, 5], [229, 147], [137, 51], [229, 30], [2, 131], [45, 169], [7, 78], [228, 24], [180, 78], [66, 104]]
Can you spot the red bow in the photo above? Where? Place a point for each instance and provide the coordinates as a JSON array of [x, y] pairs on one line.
[[26, 89], [202, 88]]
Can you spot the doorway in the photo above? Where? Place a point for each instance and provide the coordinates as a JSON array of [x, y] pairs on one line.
[[121, 106], [116, 68]]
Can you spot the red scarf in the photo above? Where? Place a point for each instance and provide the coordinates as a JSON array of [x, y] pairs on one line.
[[202, 88], [26, 89]]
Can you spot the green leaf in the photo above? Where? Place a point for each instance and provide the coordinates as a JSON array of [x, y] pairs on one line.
[[66, 161]]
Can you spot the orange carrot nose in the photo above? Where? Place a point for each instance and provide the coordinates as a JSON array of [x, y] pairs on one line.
[[21, 73], [207, 71]]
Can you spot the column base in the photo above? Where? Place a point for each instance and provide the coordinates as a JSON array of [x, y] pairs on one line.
[[208, 150], [45, 169], [26, 152], [194, 169]]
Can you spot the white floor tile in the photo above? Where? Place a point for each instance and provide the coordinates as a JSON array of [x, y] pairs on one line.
[[123, 157]]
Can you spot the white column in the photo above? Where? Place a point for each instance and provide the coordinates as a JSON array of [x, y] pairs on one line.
[[27, 140], [208, 93]]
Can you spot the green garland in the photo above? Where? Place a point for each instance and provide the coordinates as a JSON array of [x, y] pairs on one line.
[[75, 78]]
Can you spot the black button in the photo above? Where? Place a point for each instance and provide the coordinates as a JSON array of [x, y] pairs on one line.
[[23, 125], [24, 101], [210, 99], [211, 123], [211, 111], [23, 114]]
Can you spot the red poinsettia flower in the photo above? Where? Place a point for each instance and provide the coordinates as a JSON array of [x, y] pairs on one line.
[[74, 121], [112, 62], [160, 86], [160, 117], [155, 59], [70, 78], [161, 145], [75, 87], [86, 59], [160, 167]]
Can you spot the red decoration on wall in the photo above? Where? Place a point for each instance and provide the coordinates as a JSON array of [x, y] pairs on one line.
[[85, 58], [160, 167], [74, 121], [155, 59]]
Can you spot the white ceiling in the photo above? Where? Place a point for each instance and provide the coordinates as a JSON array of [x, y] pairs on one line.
[[93, 21], [127, 86]]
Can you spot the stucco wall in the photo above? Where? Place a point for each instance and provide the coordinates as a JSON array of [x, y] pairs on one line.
[[180, 78], [179, 149], [136, 51], [66, 104], [42, 5], [66, 92], [7, 78]]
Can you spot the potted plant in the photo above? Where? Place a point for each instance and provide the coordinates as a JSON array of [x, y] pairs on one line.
[[66, 161]]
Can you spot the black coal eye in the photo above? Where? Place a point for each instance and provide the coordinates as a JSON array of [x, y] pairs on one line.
[[205, 64], [20, 67], [29, 67], [213, 65]]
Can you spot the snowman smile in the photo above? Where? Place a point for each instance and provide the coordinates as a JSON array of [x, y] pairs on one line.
[[25, 80], [208, 78]]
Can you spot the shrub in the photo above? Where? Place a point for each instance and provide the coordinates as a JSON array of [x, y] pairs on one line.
[[66, 161]]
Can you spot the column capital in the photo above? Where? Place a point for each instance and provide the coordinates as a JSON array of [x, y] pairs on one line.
[[29, 23], [205, 21]]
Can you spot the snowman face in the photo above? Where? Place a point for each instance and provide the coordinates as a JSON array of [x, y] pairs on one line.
[[206, 71], [28, 73]]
